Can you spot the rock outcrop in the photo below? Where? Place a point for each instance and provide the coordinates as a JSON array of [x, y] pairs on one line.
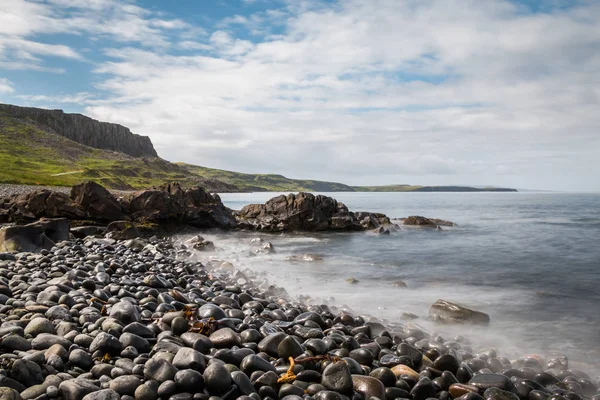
[[445, 311], [306, 212], [417, 220], [172, 207], [42, 234], [85, 130], [97, 202], [173, 204], [170, 204]]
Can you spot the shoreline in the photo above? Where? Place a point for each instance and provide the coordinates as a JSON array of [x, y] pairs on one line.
[[242, 300]]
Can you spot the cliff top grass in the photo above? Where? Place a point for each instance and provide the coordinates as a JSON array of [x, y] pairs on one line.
[[32, 155]]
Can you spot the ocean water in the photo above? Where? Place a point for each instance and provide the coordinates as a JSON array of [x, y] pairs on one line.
[[529, 260]]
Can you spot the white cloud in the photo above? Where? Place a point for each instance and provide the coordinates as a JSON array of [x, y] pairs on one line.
[[382, 91], [121, 21], [6, 86]]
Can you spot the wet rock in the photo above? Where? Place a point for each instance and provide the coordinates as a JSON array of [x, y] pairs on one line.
[[81, 358], [217, 378], [445, 311], [189, 381], [486, 381], [243, 383], [33, 237], [106, 343], [106, 394], [125, 385], [14, 342], [423, 389], [7, 393], [289, 347], [337, 377], [125, 312], [187, 358], [76, 389], [160, 370], [225, 337], [494, 393], [253, 363], [368, 386], [39, 325]]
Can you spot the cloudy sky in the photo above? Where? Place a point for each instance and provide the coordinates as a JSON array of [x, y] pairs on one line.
[[496, 92]]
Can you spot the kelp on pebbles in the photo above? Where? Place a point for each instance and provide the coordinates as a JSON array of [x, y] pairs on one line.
[[101, 319]]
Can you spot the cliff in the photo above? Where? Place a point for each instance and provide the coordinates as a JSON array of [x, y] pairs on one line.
[[84, 130]]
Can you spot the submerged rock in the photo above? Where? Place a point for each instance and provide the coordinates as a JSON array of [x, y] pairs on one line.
[[445, 311]]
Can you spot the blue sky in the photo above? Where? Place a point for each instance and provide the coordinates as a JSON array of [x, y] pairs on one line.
[[364, 92]]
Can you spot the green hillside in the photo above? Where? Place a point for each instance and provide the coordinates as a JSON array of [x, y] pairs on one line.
[[31, 154], [270, 182]]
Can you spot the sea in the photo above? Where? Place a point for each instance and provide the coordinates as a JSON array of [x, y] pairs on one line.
[[530, 260]]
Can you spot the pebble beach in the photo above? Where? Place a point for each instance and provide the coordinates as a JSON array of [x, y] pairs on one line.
[[104, 319]]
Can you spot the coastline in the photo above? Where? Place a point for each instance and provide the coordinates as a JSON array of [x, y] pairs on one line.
[[214, 324]]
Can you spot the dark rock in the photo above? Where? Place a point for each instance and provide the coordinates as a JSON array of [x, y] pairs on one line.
[[106, 343], [211, 311], [306, 212], [187, 358], [243, 382], [270, 344], [446, 362], [423, 389], [289, 347], [385, 375], [81, 232], [253, 363], [173, 204], [189, 381], [416, 220], [486, 381], [337, 377], [7, 393], [97, 202], [106, 394], [81, 359], [33, 237], [122, 230], [160, 370], [126, 384], [494, 393], [76, 389], [217, 378], [445, 311], [405, 349], [368, 386], [225, 337]]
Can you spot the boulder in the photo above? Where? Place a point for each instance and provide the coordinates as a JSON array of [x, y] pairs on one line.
[[445, 311], [173, 204], [424, 222], [417, 220], [97, 202], [122, 230], [83, 231], [40, 203], [305, 212], [42, 234]]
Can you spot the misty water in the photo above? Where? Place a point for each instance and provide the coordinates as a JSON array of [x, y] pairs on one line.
[[529, 260]]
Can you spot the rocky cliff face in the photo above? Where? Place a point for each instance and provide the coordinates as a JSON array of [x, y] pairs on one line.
[[85, 130]]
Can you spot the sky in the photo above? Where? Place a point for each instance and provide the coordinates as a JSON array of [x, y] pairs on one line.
[[364, 92]]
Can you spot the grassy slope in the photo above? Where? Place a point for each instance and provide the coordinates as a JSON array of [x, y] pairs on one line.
[[29, 155], [273, 183]]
